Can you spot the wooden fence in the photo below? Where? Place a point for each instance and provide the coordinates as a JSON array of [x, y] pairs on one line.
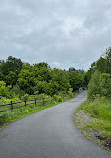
[[25, 103], [28, 102]]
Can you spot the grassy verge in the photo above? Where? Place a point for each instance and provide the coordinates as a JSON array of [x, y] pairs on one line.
[[9, 117], [94, 119]]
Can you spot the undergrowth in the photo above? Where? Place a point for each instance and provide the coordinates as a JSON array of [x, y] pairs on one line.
[[100, 109]]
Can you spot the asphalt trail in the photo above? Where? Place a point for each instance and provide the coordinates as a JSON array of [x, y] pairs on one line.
[[50, 133]]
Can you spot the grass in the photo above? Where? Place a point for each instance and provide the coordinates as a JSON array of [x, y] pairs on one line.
[[99, 111], [9, 117]]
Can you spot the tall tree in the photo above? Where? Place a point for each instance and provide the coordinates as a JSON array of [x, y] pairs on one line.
[[108, 58], [11, 78], [11, 64], [41, 65], [75, 80]]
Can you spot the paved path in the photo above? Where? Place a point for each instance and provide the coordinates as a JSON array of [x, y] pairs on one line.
[[50, 133]]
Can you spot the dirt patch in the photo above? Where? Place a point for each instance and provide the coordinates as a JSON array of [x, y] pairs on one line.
[[82, 121], [105, 141]]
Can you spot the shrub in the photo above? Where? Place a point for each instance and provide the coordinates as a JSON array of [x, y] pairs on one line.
[[99, 84], [70, 92], [25, 97], [36, 93], [4, 91], [58, 98]]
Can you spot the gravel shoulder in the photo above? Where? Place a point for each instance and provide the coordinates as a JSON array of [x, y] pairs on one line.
[[83, 121]]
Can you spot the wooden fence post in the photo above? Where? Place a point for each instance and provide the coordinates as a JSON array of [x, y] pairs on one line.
[[35, 101], [25, 103], [11, 106], [43, 101], [54, 98]]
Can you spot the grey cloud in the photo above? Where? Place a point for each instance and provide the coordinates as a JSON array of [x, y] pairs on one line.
[[62, 33]]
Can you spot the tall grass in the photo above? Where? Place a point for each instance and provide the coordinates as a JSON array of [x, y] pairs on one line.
[[100, 109]]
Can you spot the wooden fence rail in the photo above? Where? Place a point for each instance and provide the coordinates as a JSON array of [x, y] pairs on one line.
[[28, 102]]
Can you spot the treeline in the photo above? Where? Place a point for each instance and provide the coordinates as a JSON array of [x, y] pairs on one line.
[[18, 78], [99, 76]]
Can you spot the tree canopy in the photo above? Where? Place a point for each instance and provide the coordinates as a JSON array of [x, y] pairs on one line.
[[38, 77], [26, 78]]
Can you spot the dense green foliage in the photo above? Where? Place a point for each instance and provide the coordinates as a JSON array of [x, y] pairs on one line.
[[18, 78], [23, 78], [100, 84], [103, 64], [4, 91], [11, 64], [100, 77]]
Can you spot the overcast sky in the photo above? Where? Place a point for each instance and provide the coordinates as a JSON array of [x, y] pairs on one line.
[[63, 33]]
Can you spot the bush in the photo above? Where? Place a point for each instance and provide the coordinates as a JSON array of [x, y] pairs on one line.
[[58, 98], [70, 92], [36, 93], [4, 91], [25, 97], [6, 101], [99, 84], [16, 92]]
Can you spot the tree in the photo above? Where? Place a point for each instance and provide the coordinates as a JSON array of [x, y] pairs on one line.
[[52, 88], [11, 64], [75, 80], [11, 78], [27, 81], [86, 79], [4, 91], [40, 86], [2, 77], [105, 85], [80, 71], [71, 69], [16, 91], [101, 65], [42, 65], [99, 84], [61, 78], [108, 58], [44, 74], [94, 85]]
